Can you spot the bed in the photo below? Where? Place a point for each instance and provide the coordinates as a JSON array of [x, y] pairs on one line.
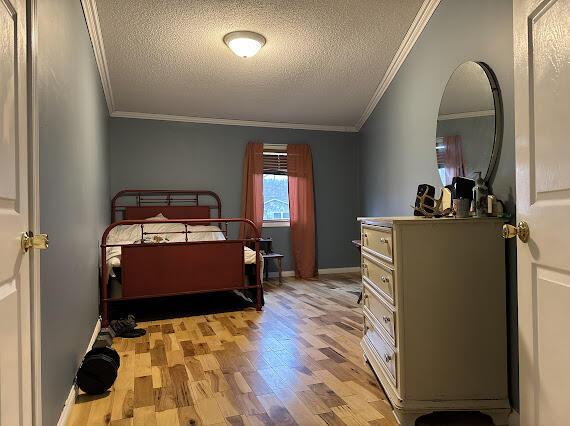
[[175, 242]]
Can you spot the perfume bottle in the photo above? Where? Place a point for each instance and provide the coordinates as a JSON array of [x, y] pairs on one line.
[[480, 192]]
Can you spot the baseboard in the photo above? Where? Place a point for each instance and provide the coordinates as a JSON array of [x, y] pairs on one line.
[[284, 274], [324, 271], [514, 418], [339, 270], [65, 413]]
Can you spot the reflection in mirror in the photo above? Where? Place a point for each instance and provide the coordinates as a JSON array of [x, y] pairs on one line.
[[465, 141]]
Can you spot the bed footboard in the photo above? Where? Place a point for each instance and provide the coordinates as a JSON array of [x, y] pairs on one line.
[[159, 270]]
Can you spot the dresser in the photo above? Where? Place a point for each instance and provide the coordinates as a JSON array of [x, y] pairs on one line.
[[434, 304]]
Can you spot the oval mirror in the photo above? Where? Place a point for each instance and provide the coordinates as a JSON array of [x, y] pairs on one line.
[[469, 124]]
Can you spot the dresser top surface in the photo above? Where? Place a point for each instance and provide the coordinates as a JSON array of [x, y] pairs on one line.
[[390, 220]]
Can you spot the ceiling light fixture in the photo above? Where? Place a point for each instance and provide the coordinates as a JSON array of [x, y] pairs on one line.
[[244, 43]]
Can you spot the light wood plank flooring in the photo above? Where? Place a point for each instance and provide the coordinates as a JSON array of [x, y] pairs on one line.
[[297, 362]]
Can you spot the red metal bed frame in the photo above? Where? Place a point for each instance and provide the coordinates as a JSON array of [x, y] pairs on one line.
[[158, 269]]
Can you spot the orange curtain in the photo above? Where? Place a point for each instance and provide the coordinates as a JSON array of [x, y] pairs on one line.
[[302, 209], [252, 193], [453, 158]]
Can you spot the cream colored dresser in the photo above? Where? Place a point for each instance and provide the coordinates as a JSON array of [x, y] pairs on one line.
[[435, 314]]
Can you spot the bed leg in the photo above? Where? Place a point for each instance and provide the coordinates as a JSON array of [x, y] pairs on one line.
[[258, 302]]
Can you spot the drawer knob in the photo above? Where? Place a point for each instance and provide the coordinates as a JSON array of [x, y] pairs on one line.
[[384, 279], [386, 319], [384, 240], [387, 358]]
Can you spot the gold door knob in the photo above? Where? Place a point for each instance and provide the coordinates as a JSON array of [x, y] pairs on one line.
[[29, 240], [521, 230]]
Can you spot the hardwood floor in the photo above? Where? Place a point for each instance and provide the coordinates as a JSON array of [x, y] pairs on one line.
[[297, 362]]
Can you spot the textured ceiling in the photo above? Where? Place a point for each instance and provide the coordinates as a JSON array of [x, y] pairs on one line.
[[321, 65]]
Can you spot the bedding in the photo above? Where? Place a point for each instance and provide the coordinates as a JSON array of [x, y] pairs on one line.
[[163, 232]]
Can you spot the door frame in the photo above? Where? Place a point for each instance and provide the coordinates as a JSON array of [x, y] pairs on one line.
[[34, 208]]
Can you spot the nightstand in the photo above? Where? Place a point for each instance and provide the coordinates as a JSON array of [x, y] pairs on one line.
[[278, 258]]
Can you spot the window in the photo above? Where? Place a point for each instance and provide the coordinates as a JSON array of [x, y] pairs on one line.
[[275, 186], [440, 152]]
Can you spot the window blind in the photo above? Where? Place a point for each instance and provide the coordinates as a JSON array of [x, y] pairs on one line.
[[440, 152], [440, 159], [274, 162]]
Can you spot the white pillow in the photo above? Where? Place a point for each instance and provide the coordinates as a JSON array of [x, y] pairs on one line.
[[159, 216]]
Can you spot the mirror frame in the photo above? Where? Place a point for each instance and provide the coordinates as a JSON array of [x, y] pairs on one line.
[[499, 119]]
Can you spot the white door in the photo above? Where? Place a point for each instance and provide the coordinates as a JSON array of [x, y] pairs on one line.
[[542, 120], [15, 349]]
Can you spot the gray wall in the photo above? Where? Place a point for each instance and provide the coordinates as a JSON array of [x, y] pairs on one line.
[[397, 142], [159, 154], [74, 193]]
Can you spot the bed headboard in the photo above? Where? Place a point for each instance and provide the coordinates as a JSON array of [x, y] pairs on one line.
[[138, 204]]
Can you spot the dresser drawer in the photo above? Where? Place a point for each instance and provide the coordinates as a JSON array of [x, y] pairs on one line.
[[386, 354], [378, 308], [379, 275], [378, 240]]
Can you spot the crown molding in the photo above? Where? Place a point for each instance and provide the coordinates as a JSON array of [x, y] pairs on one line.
[[94, 29], [230, 122], [420, 21], [471, 114]]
